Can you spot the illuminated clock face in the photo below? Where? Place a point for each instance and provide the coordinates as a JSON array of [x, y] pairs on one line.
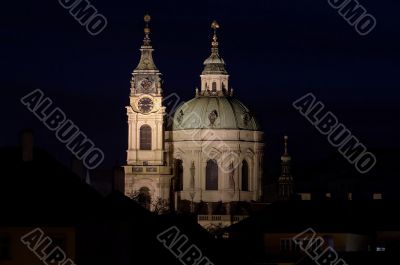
[[146, 85], [145, 105]]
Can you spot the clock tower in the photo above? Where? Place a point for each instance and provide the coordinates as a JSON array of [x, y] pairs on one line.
[[146, 170]]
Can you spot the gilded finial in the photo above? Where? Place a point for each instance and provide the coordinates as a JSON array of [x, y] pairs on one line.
[[215, 26], [147, 40]]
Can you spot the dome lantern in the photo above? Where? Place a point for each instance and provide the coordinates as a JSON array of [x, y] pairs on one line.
[[214, 78]]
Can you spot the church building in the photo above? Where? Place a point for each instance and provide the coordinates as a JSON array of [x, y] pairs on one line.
[[206, 156]]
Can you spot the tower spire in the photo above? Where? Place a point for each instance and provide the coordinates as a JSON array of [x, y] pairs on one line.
[[285, 181], [215, 43], [146, 60], [147, 40], [286, 145], [146, 78], [214, 65], [214, 78], [286, 158]]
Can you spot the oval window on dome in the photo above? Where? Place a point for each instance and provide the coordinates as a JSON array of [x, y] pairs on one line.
[[213, 117]]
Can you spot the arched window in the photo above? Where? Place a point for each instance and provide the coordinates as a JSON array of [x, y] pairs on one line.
[[214, 87], [144, 198], [212, 175], [179, 175], [224, 88], [245, 176], [145, 137]]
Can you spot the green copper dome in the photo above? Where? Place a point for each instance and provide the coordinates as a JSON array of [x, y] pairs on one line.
[[214, 107], [214, 113]]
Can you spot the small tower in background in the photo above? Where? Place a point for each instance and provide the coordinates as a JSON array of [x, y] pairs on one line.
[[285, 181]]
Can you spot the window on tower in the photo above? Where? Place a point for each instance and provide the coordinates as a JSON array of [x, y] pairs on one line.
[[245, 176], [212, 175], [145, 137]]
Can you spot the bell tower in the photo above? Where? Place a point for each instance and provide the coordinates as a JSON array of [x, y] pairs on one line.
[[145, 113], [147, 174]]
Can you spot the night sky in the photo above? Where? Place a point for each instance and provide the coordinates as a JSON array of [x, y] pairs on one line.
[[276, 51]]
